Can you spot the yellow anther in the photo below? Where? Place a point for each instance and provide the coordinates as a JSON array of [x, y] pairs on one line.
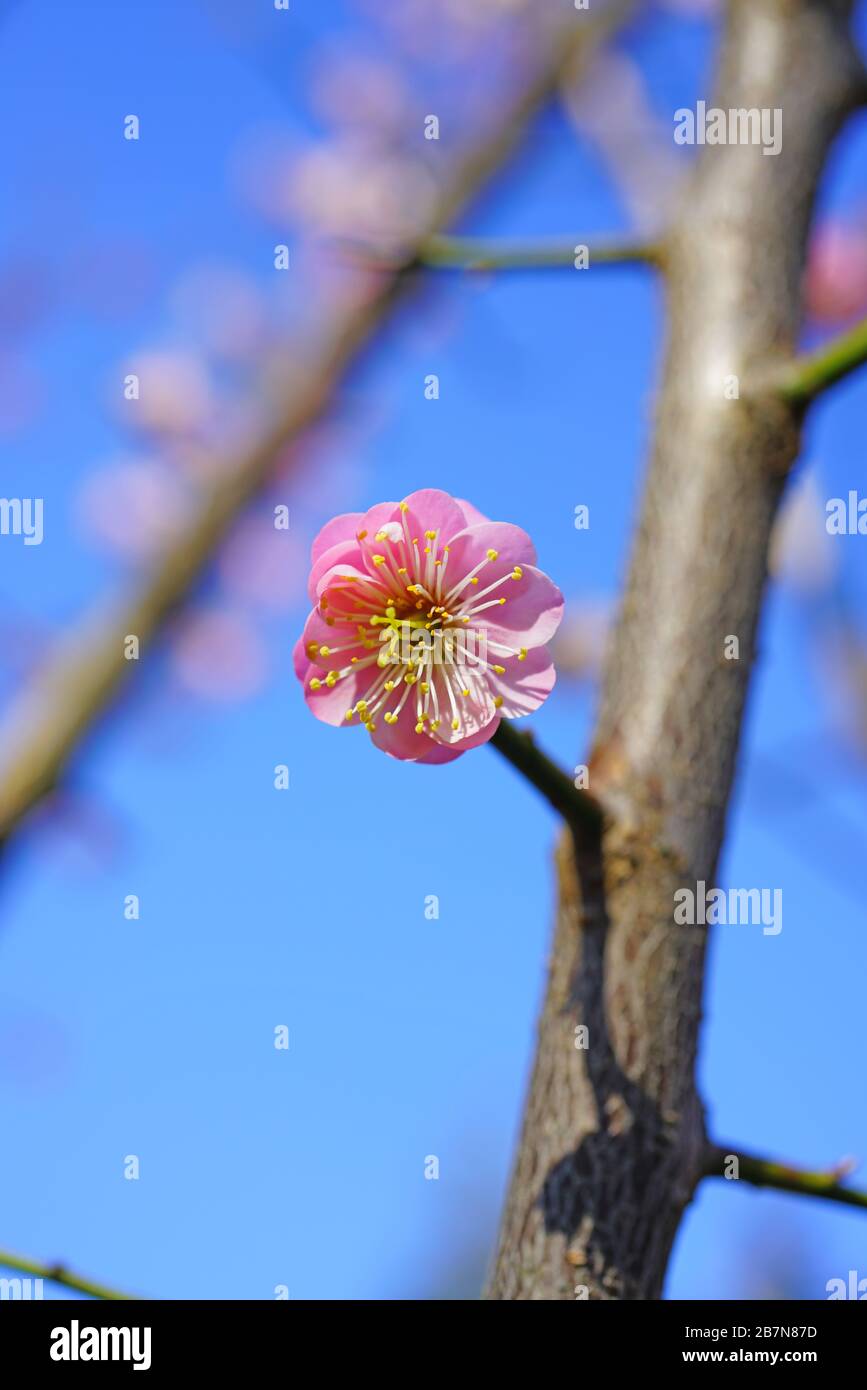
[[410, 678], [353, 659], [419, 728], [427, 550], [390, 718], [324, 651], [349, 713], [360, 535], [430, 535], [475, 579], [402, 569], [379, 559], [492, 554], [522, 654], [390, 612], [389, 685], [381, 536], [404, 506], [498, 700], [517, 572], [361, 706], [424, 688], [332, 678], [465, 693], [316, 683], [499, 670], [456, 724], [501, 600]]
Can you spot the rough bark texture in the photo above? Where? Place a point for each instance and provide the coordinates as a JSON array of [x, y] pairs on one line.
[[613, 1137]]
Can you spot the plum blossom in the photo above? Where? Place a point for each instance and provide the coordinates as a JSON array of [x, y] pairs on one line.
[[429, 627]]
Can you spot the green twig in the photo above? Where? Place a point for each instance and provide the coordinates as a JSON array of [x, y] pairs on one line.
[[808, 376], [578, 807], [58, 1274], [475, 254], [761, 1172]]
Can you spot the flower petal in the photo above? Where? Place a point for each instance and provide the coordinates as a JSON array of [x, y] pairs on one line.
[[471, 545], [432, 510], [472, 515], [531, 614], [344, 552], [339, 528], [526, 684]]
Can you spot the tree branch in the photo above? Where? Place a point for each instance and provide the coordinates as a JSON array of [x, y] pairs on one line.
[[613, 1141], [762, 1172], [577, 807], [808, 376], [59, 1274], [45, 725], [476, 254]]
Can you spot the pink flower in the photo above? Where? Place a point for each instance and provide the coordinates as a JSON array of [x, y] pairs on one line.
[[429, 627]]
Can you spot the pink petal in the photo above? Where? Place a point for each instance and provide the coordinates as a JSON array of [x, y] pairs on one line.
[[344, 552], [339, 528], [432, 510], [472, 515], [529, 617], [474, 740], [300, 659], [330, 703], [342, 635], [470, 546], [526, 684], [400, 740]]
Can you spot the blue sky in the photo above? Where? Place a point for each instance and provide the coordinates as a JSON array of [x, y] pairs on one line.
[[306, 908]]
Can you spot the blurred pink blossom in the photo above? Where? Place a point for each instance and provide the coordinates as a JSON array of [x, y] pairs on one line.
[[836, 279], [133, 505], [263, 565], [802, 553], [218, 654], [175, 395], [224, 310], [355, 90]]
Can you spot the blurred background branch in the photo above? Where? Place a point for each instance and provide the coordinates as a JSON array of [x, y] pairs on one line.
[[475, 253]]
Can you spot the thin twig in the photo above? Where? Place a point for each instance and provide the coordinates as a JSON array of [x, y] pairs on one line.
[[808, 376], [477, 254], [576, 806], [59, 1274], [762, 1172]]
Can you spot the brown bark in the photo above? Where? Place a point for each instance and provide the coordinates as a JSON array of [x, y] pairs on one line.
[[613, 1140]]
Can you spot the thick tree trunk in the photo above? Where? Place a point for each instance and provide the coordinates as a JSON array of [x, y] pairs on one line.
[[613, 1137]]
